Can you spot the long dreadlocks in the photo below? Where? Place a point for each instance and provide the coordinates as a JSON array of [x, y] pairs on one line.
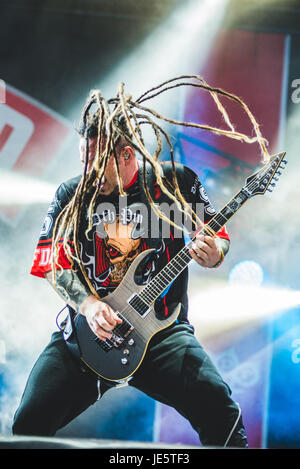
[[120, 120]]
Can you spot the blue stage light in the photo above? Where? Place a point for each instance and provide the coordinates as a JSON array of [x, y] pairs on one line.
[[247, 272]]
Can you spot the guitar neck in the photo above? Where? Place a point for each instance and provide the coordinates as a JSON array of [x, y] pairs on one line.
[[180, 261]]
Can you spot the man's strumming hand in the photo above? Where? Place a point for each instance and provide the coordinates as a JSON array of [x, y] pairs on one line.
[[100, 317]]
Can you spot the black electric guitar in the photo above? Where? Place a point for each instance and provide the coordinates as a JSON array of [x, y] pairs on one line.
[[118, 358]]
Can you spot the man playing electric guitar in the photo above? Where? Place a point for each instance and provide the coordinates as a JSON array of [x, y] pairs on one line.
[[85, 252]]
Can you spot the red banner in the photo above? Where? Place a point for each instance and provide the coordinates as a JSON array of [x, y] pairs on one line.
[[31, 137]]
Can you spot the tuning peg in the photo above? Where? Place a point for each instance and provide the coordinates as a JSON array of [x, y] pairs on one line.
[[279, 173], [273, 184], [269, 190], [284, 161], [276, 179]]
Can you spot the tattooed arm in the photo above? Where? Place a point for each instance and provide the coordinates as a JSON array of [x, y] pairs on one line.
[[100, 317], [69, 287]]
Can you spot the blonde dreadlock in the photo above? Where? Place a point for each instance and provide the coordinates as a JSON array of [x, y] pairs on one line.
[[119, 120]]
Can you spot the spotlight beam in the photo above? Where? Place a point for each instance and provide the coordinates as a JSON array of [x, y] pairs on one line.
[[237, 306], [169, 49], [19, 189]]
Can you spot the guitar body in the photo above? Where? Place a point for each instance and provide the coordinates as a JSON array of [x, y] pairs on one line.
[[120, 361]]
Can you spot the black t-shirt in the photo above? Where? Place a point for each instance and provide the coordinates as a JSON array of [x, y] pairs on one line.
[[121, 230]]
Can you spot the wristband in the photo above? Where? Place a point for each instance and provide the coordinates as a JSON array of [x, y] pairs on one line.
[[221, 259]]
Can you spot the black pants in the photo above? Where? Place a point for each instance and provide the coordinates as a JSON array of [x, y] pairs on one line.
[[176, 371]]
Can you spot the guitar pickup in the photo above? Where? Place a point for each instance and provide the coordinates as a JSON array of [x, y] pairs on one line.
[[139, 305], [124, 328], [115, 341], [104, 344]]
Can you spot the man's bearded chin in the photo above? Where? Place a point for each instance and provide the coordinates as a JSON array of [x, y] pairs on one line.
[[114, 193]]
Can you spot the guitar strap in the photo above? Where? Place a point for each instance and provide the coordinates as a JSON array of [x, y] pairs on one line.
[[70, 335]]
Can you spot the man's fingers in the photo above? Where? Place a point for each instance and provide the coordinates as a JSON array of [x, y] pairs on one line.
[[207, 241], [201, 251], [197, 257], [205, 251], [101, 318], [100, 332], [104, 321], [210, 241], [111, 317]]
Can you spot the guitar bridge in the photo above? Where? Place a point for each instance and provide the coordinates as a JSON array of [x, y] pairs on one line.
[[119, 334]]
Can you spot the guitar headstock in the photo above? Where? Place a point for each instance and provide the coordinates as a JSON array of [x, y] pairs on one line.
[[261, 181]]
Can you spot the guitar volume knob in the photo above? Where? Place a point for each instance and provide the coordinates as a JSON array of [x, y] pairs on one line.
[[130, 341], [124, 361]]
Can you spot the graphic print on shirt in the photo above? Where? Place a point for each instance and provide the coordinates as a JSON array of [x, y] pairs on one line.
[[117, 241]]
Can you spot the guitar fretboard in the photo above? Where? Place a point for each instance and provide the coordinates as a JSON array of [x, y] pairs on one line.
[[180, 261]]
